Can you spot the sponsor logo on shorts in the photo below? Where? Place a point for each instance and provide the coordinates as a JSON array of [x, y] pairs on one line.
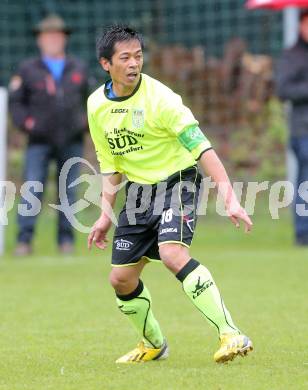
[[123, 245], [168, 230], [189, 223]]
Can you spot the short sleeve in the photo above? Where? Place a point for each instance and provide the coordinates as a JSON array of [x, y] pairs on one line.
[[172, 114], [178, 119], [105, 159], [194, 141]]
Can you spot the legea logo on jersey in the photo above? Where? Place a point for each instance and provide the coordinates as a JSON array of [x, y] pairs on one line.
[[123, 245], [138, 117], [119, 111]]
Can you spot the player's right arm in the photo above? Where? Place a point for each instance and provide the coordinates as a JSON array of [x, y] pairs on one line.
[[98, 234], [111, 180]]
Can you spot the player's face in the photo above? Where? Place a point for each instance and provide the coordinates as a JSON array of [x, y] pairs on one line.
[[126, 64], [304, 29], [52, 43]]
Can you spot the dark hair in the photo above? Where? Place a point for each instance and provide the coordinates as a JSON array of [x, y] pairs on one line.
[[105, 43]]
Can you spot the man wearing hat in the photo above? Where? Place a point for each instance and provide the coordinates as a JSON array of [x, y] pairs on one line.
[[292, 85], [47, 102]]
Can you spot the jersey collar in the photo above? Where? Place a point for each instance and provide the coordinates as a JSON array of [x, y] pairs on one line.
[[121, 98]]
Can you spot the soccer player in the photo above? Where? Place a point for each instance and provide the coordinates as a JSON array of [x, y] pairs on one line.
[[141, 129]]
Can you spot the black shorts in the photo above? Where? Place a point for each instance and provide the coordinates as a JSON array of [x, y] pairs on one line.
[[156, 214]]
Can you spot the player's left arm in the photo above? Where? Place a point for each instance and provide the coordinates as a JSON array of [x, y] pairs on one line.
[[173, 115], [212, 165]]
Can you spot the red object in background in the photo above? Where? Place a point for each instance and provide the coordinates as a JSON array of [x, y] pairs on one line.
[[275, 4], [76, 78]]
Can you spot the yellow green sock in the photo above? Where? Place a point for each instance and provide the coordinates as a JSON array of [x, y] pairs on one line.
[[200, 287], [137, 306]]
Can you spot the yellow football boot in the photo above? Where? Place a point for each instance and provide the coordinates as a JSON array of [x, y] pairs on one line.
[[143, 354], [232, 345]]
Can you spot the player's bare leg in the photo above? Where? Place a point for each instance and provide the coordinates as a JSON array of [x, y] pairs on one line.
[[200, 287], [134, 300], [124, 280]]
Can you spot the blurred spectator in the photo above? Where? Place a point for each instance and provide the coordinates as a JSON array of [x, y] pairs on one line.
[[292, 85], [47, 102]]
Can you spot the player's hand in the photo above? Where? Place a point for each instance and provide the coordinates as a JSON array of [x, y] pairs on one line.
[[98, 234], [240, 215]]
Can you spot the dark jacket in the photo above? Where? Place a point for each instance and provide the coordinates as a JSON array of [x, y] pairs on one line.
[[58, 110], [292, 84]]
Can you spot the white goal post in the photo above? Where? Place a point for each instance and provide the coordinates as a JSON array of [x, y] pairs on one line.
[[290, 35], [3, 154]]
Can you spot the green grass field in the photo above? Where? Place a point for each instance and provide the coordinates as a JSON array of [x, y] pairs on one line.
[[60, 327]]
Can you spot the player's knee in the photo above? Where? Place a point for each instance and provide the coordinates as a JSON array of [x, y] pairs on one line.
[[118, 280], [168, 252], [174, 256]]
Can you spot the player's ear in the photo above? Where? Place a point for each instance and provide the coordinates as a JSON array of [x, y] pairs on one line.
[[105, 64]]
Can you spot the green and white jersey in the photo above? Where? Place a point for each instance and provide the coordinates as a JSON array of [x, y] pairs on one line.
[[148, 135]]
